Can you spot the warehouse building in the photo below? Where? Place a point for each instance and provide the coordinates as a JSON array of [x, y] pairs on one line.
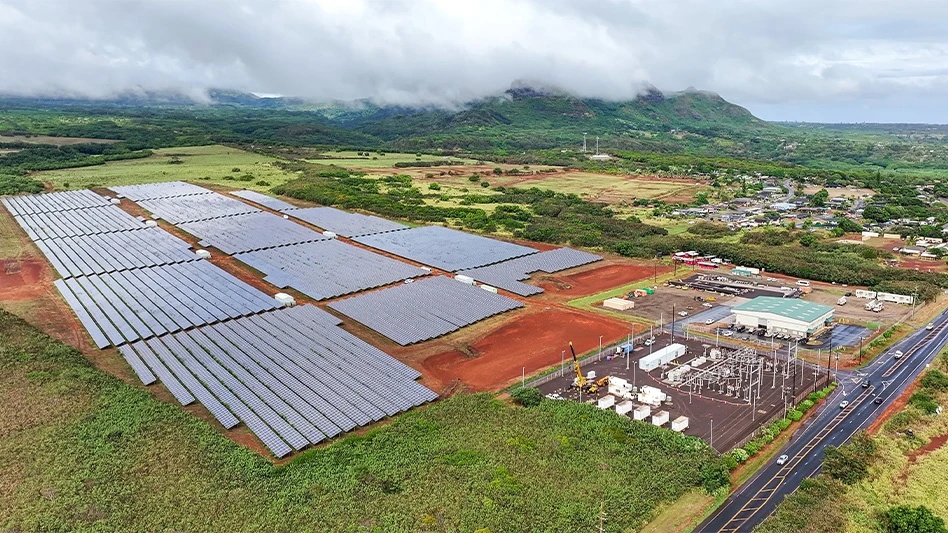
[[783, 315]]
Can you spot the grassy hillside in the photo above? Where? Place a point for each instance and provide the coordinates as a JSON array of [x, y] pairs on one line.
[[82, 451]]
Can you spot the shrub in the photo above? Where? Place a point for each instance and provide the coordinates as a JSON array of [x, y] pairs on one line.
[[434, 186], [906, 519], [740, 455], [18, 184], [850, 462], [235, 170], [813, 397], [794, 415], [485, 184], [901, 420], [924, 402], [751, 448], [263, 183], [498, 171], [805, 405], [820, 394], [935, 380], [527, 396], [473, 178], [245, 177], [715, 476], [784, 423]]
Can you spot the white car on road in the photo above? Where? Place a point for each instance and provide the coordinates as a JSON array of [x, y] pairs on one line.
[[782, 459], [844, 404]]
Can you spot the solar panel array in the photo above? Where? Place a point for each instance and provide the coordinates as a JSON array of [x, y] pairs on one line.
[[110, 252], [328, 269], [53, 202], [445, 248], [253, 231], [165, 189], [84, 221], [509, 274], [264, 200], [179, 209], [425, 309], [292, 376], [345, 223], [137, 304]]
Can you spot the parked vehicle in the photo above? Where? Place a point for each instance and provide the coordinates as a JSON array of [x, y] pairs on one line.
[[709, 321], [728, 333], [803, 283], [649, 342], [682, 313]]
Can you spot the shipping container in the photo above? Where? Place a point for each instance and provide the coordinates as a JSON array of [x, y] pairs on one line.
[[625, 407], [618, 304], [606, 402], [679, 424], [641, 412], [465, 279]]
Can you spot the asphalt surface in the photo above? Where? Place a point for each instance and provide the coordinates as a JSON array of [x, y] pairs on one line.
[[889, 377]]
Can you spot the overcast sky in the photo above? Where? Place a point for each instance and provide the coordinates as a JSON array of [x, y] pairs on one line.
[[812, 60]]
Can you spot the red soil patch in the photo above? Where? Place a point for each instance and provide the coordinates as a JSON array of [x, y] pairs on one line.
[[599, 279], [534, 341], [22, 280], [923, 266]]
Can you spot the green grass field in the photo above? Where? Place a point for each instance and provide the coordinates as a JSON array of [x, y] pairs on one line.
[[613, 188], [46, 139], [374, 160], [197, 163], [82, 451]]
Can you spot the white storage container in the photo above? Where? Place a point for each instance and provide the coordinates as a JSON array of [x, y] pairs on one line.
[[641, 412], [488, 288], [625, 407], [203, 254], [618, 304], [662, 356], [465, 279], [680, 424], [606, 402], [660, 418], [285, 299]]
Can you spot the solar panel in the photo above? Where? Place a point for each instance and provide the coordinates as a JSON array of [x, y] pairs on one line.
[[111, 252], [445, 248], [345, 223], [423, 310], [127, 306], [253, 231], [164, 189], [328, 269], [264, 200], [509, 274], [292, 375], [53, 202], [179, 209], [76, 222]]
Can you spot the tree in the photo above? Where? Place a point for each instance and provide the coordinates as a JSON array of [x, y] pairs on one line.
[[498, 171], [906, 519], [808, 239], [527, 396], [850, 462], [819, 198]]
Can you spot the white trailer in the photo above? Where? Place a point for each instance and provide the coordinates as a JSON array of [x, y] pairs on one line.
[[620, 388], [865, 295], [488, 288], [641, 412], [651, 395], [465, 279], [680, 424], [660, 418], [625, 407], [606, 402], [662, 357]]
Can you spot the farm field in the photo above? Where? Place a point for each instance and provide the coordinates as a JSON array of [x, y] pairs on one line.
[[82, 450], [350, 159], [197, 163], [613, 188]]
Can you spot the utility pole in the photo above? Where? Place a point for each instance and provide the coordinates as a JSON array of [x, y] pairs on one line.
[[628, 355], [599, 357], [860, 349], [712, 433], [562, 362], [914, 299], [673, 323], [584, 142]]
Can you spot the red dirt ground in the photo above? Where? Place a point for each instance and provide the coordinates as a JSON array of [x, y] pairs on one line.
[[533, 341], [21, 280], [923, 266], [599, 279]]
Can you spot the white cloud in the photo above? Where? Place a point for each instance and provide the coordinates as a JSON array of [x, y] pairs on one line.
[[775, 55]]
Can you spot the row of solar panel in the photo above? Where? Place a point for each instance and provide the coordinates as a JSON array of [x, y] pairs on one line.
[[76, 222], [345, 223], [164, 189], [423, 310], [327, 269], [111, 252], [291, 376], [253, 231], [445, 248], [509, 274], [53, 202], [137, 304], [179, 209], [262, 199]]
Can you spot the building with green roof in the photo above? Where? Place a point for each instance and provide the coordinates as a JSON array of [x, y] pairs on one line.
[[783, 315]]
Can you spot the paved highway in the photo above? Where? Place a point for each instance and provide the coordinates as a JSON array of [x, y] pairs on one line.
[[759, 496]]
